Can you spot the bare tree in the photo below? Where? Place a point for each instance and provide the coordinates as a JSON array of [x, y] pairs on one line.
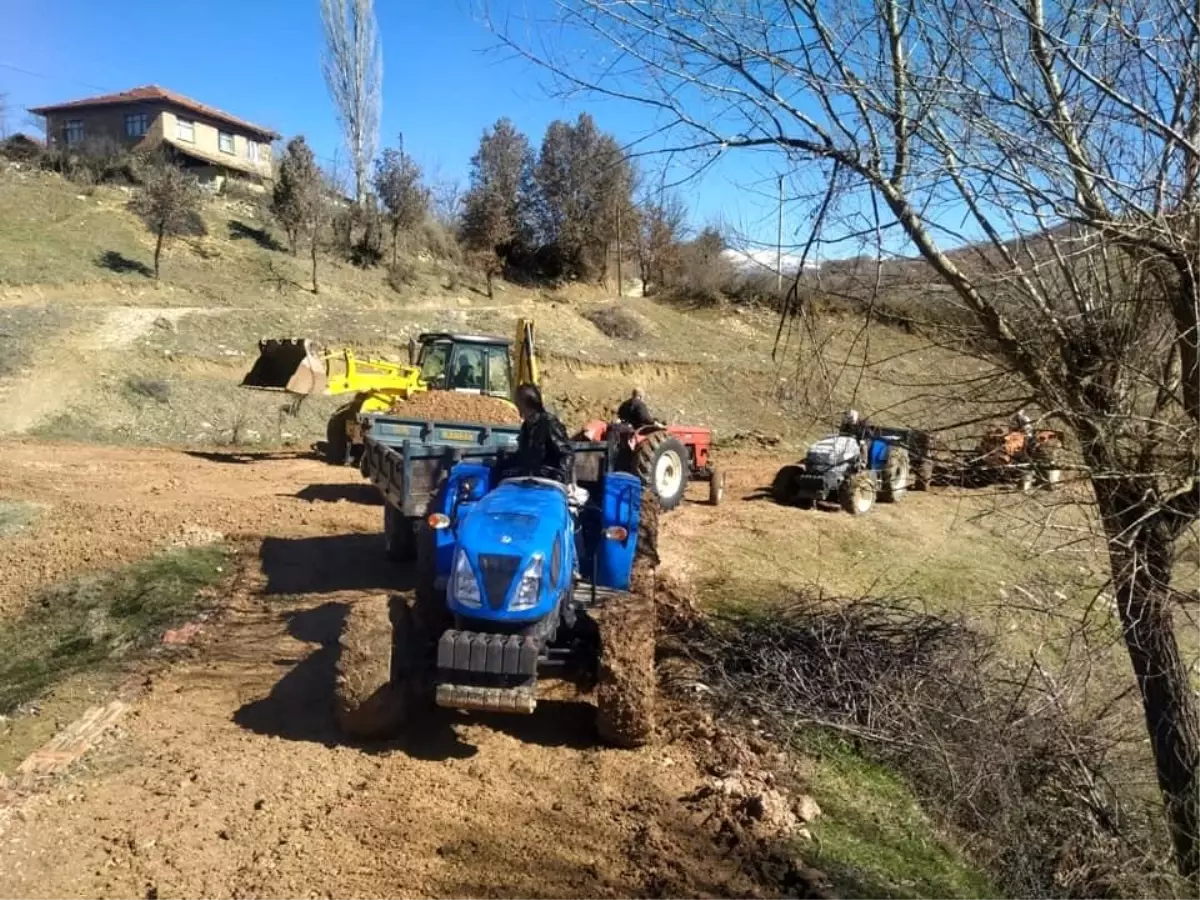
[[169, 203], [1067, 137], [398, 186], [3, 115], [353, 67], [662, 222]]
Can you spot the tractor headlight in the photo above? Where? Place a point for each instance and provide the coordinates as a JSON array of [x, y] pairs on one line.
[[464, 589], [529, 586]]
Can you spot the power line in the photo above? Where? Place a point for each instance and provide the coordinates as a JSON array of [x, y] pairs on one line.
[[48, 77]]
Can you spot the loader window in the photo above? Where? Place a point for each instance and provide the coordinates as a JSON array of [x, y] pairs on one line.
[[468, 369], [433, 363], [498, 384]]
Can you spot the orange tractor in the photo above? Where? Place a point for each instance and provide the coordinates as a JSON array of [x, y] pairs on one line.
[[663, 456], [1006, 454]]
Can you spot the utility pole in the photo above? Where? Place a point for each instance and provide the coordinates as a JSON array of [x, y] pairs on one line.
[[620, 288], [779, 244]]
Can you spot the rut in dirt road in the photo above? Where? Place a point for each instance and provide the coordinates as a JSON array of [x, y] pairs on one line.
[[229, 777]]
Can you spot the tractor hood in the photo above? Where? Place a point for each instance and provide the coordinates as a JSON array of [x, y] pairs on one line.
[[829, 453], [500, 537]]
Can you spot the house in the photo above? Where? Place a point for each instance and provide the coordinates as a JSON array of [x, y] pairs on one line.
[[211, 142]]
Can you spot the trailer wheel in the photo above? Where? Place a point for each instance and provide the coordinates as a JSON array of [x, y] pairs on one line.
[[367, 705], [661, 462], [399, 543], [625, 692], [716, 487], [856, 494], [337, 441]]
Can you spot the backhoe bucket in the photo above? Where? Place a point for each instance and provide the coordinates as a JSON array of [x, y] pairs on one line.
[[288, 364]]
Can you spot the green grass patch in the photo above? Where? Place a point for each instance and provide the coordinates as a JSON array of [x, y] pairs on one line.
[[873, 838], [15, 515], [99, 620]]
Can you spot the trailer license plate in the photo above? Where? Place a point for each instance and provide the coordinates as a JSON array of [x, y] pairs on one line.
[[451, 434]]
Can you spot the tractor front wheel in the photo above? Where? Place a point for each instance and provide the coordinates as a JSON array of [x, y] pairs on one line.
[[716, 487], [856, 494], [661, 462], [625, 691]]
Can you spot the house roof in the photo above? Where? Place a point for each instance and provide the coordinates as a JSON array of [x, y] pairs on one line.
[[154, 92]]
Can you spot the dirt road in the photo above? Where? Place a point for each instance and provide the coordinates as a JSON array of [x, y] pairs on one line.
[[228, 778]]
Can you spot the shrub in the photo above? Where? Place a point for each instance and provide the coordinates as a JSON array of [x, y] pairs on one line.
[[154, 388], [615, 322], [401, 275]]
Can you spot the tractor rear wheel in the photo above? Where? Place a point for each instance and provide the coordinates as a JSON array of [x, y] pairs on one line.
[[894, 477], [716, 487], [783, 488], [367, 705], [856, 494], [661, 461], [625, 691], [924, 475]]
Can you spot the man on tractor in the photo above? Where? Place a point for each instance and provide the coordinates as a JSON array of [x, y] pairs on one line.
[[543, 448], [635, 412], [853, 425]]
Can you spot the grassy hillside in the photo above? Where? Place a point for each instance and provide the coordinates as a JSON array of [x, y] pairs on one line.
[[91, 347]]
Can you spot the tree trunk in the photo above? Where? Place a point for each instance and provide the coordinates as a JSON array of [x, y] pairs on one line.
[[316, 287], [395, 233], [488, 276], [158, 244], [1141, 558]]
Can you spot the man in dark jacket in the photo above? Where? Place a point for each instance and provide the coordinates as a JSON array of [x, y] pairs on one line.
[[543, 448], [634, 411]]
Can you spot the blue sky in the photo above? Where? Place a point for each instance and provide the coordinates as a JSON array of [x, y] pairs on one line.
[[444, 80]]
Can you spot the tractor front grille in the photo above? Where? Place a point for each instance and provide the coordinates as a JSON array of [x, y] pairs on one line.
[[498, 570]]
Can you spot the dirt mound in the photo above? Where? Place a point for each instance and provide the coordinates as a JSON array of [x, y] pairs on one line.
[[451, 406], [677, 609]]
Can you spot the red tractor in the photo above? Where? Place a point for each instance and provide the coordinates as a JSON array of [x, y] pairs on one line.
[[663, 456]]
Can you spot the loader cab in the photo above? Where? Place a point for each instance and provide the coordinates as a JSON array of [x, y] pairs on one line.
[[474, 364]]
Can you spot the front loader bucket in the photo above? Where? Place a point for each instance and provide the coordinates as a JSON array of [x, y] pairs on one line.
[[287, 364]]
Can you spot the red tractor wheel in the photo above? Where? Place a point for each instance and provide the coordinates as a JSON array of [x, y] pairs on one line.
[[661, 461]]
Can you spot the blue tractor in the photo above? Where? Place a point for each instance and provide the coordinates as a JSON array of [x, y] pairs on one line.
[[517, 578], [848, 469]]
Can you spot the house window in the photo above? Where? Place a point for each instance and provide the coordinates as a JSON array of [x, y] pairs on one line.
[[186, 130], [136, 124], [252, 151], [225, 142], [74, 131]]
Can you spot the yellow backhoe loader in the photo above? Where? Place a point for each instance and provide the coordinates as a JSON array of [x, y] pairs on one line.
[[437, 361]]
